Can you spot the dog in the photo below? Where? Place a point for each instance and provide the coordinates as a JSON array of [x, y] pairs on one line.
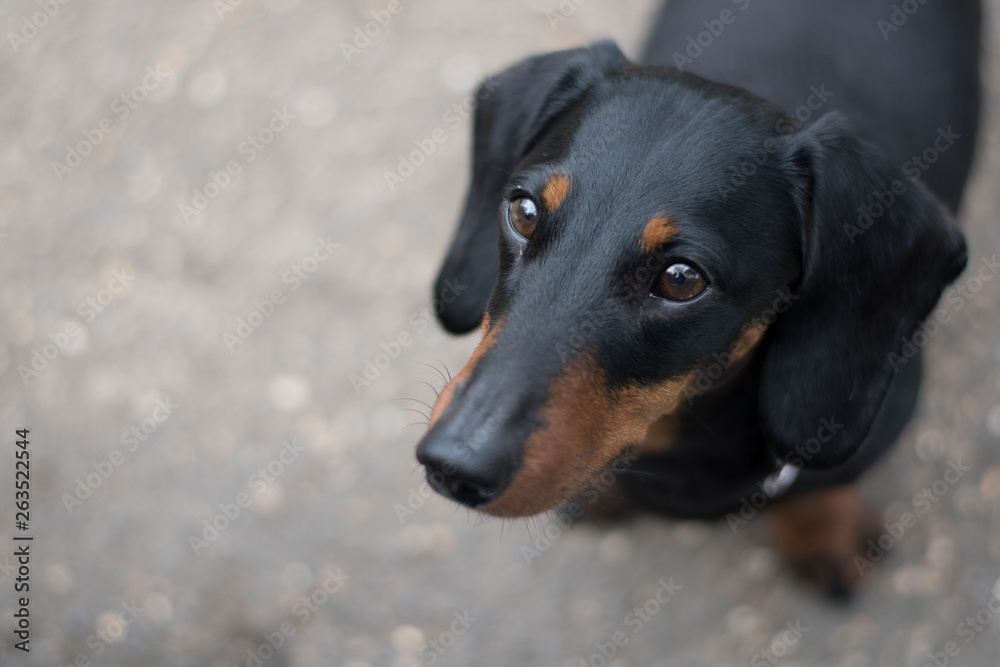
[[713, 263]]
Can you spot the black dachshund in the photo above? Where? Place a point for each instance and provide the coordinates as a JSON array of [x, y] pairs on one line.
[[722, 276]]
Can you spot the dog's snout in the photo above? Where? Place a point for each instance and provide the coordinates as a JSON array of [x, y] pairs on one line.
[[470, 476]]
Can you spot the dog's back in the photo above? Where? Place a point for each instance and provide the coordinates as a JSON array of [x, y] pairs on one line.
[[906, 72]]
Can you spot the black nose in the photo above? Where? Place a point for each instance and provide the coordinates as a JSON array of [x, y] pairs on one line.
[[468, 474]]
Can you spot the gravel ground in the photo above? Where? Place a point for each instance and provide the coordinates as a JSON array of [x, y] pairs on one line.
[[183, 394]]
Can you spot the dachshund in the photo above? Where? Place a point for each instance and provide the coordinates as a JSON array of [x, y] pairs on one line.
[[715, 263]]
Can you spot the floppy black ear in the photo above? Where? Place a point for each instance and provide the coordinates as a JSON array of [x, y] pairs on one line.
[[878, 250], [513, 108]]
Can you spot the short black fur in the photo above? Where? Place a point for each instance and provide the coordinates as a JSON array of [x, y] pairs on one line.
[[767, 205]]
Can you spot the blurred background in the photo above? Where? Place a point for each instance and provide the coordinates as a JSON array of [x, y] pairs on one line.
[[211, 298]]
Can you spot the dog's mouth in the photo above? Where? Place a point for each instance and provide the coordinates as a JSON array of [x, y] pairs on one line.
[[483, 459]]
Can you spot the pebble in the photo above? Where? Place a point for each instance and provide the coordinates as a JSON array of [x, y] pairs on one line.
[[289, 393], [59, 580], [993, 421], [691, 534], [615, 547], [316, 107], [207, 87], [407, 639], [930, 446], [296, 577], [989, 485], [461, 73], [158, 606], [918, 580], [270, 500], [111, 627], [436, 539], [760, 563], [744, 621]]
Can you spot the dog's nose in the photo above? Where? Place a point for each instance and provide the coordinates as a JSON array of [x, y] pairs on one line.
[[469, 475]]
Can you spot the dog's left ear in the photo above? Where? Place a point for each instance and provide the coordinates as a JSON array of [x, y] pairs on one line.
[[512, 109], [878, 250]]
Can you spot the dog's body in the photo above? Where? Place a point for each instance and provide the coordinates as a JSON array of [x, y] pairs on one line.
[[898, 84], [687, 271]]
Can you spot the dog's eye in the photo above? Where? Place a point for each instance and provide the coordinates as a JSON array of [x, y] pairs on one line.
[[523, 216], [679, 282]]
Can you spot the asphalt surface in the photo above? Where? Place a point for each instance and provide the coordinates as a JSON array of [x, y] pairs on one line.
[[196, 286]]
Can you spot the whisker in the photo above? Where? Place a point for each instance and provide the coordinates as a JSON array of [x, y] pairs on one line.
[[415, 400], [417, 424], [437, 393], [445, 369], [435, 369], [501, 170]]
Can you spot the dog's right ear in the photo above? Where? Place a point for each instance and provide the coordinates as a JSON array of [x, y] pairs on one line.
[[512, 109]]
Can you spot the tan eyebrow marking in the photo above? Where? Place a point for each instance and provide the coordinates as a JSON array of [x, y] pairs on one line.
[[659, 230], [555, 192]]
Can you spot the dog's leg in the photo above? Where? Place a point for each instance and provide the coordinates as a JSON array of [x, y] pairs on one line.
[[820, 533]]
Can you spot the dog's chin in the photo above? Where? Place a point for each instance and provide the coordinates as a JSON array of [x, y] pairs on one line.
[[532, 494], [515, 508], [502, 508]]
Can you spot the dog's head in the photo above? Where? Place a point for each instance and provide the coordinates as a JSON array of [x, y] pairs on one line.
[[650, 223]]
